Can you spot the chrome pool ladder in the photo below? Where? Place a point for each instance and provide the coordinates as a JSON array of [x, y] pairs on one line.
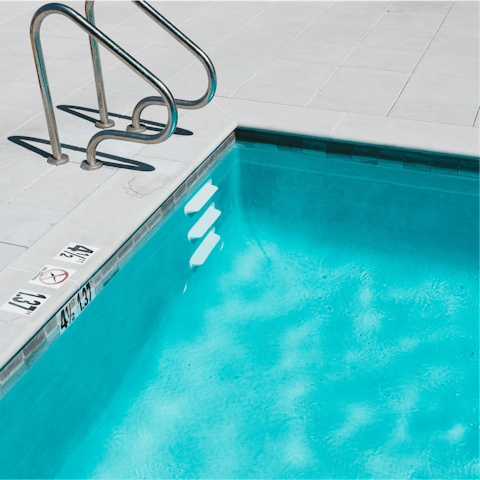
[[134, 131]]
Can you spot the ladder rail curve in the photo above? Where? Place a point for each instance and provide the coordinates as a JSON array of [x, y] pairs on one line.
[[91, 163], [144, 103]]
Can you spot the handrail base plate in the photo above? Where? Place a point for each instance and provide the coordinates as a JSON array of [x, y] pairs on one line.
[[100, 124], [131, 128], [86, 166], [55, 161]]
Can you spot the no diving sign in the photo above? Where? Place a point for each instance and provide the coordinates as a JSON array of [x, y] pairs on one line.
[[53, 277]]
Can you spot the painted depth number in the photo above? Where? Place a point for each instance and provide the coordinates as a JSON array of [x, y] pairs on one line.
[[75, 306], [25, 302], [75, 253]]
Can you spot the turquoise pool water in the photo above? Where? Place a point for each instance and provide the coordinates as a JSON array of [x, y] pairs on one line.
[[332, 334]]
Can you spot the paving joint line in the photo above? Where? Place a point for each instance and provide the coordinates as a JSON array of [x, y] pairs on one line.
[[476, 116], [13, 244], [418, 63], [337, 124], [19, 269]]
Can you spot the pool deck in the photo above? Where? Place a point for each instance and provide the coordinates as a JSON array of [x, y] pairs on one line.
[[394, 74]]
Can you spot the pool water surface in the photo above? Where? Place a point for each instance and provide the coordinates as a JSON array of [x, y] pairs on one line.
[[332, 334]]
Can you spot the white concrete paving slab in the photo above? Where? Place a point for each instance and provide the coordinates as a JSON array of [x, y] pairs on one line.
[[238, 66], [14, 67], [436, 112], [19, 171], [343, 34], [342, 15], [295, 73], [384, 59], [432, 8], [365, 5], [51, 47], [416, 22], [10, 121], [452, 64], [457, 44], [8, 253], [23, 225], [303, 49], [275, 93], [361, 90], [439, 98], [461, 25], [395, 38], [62, 189], [442, 88], [25, 97]]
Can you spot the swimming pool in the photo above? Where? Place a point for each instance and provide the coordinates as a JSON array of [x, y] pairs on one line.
[[331, 333]]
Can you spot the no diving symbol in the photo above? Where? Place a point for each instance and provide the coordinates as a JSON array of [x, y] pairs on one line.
[[52, 276], [55, 276]]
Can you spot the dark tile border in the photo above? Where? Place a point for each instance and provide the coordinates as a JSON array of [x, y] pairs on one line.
[[424, 161]]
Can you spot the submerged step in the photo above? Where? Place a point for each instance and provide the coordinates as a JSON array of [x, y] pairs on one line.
[[205, 249], [200, 198], [204, 223]]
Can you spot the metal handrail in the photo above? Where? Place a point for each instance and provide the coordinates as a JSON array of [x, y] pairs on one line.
[[177, 35], [91, 163]]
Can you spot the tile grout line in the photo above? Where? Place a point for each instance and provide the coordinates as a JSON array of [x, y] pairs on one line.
[[337, 124], [286, 46], [13, 244], [348, 56], [420, 59], [19, 269], [476, 116]]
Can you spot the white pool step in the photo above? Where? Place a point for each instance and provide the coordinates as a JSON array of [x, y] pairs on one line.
[[204, 223], [200, 199], [204, 249]]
